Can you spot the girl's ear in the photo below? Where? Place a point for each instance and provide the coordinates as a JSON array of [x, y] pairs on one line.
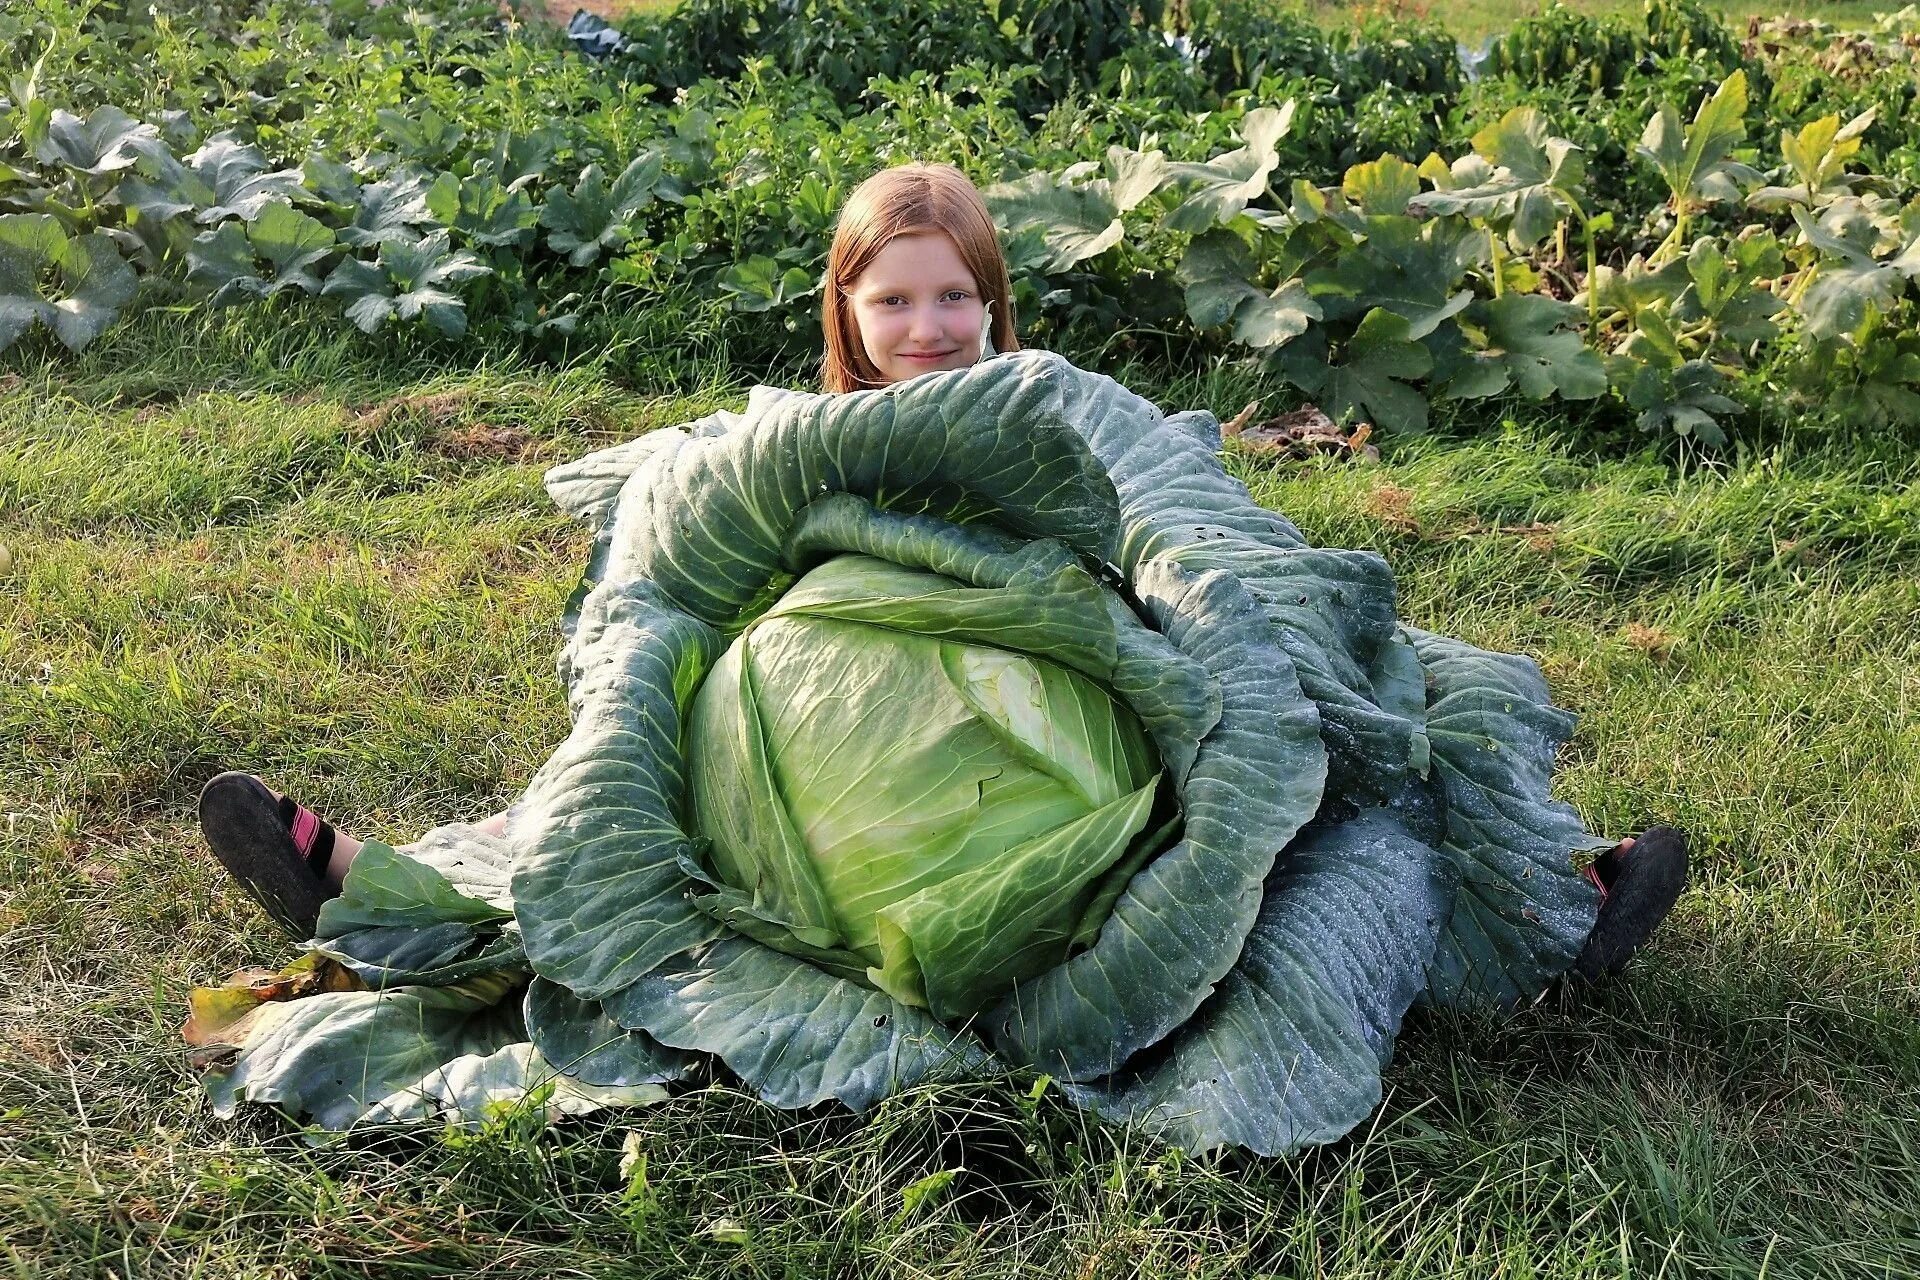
[[986, 333]]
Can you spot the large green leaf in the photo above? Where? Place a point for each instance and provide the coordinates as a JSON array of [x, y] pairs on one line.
[[1077, 220], [1410, 270], [989, 439], [1333, 612], [390, 211], [1075, 223], [412, 279], [431, 913], [1333, 609], [580, 1039], [90, 282], [1817, 155], [476, 1087], [240, 179], [388, 956], [1528, 340], [1288, 1052], [1382, 186], [481, 210], [338, 1055], [1724, 288], [740, 806], [1850, 280], [799, 1036], [386, 887], [1523, 912], [1686, 396], [107, 141], [1533, 179], [600, 884], [1225, 185], [290, 242], [597, 216], [1217, 273], [1371, 383], [1697, 161]]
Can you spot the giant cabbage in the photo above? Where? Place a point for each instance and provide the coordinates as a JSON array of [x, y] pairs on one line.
[[979, 721]]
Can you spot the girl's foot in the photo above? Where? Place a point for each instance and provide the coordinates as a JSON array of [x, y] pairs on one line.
[[279, 851], [1639, 881]]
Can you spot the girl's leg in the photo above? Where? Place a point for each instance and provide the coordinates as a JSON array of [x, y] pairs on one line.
[[285, 855]]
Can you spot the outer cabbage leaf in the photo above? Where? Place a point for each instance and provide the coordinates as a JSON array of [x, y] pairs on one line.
[[1288, 1052], [337, 1055], [436, 913], [1523, 912], [988, 441], [581, 1040], [796, 1034], [474, 1086], [1333, 609], [600, 885]]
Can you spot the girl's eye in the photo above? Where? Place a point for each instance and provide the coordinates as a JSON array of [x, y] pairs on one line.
[[958, 294]]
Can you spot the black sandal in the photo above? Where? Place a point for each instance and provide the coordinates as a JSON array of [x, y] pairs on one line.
[[1638, 886], [277, 850]]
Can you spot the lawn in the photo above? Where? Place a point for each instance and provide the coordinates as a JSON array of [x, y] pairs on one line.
[[302, 552]]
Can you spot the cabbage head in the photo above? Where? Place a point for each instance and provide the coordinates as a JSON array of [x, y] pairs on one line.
[[978, 722]]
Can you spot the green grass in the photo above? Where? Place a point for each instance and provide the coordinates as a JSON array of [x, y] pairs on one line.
[[235, 546]]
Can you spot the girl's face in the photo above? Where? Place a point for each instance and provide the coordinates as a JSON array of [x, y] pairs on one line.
[[918, 307]]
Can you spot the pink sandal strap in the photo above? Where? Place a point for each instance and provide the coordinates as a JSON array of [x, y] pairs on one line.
[[306, 825]]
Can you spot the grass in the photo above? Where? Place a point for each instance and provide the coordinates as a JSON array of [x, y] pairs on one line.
[[297, 553]]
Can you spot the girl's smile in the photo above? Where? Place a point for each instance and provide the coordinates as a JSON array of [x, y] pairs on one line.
[[918, 307]]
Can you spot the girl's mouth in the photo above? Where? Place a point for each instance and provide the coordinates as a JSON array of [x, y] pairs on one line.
[[932, 355]]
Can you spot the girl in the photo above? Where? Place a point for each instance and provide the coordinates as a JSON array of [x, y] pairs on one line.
[[916, 282]]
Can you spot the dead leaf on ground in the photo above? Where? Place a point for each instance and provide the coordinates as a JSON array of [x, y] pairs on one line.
[[220, 1017], [1299, 433]]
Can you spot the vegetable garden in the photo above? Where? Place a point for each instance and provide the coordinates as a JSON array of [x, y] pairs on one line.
[[298, 302]]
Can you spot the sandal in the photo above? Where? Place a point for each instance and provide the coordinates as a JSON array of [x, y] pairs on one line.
[[277, 850], [1638, 886]]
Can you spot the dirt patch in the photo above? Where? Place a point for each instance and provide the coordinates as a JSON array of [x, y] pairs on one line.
[[1656, 642], [480, 440], [1392, 506], [560, 12], [436, 409]]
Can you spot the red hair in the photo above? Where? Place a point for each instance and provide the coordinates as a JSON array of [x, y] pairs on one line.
[[905, 200]]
